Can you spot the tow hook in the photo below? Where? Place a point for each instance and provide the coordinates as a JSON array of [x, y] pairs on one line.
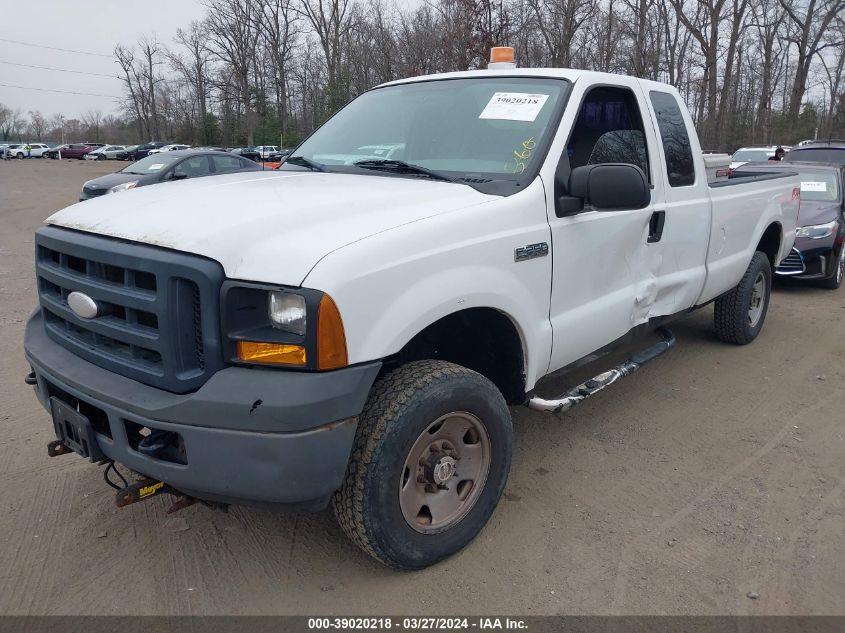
[[30, 379], [57, 447], [147, 488]]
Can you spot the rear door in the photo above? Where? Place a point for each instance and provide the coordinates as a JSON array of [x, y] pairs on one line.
[[682, 270], [604, 262]]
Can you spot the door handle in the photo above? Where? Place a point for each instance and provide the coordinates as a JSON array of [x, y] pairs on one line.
[[655, 226]]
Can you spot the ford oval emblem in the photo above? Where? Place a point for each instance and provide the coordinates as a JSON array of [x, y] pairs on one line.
[[82, 305]]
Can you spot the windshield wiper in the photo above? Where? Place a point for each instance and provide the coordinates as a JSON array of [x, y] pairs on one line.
[[400, 166], [301, 161]]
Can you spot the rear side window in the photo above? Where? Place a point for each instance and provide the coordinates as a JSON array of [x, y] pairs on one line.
[[673, 134], [227, 163]]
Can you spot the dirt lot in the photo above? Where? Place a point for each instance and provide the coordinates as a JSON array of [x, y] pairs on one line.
[[715, 472]]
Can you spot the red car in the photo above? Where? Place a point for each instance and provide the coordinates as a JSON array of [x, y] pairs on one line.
[[73, 150]]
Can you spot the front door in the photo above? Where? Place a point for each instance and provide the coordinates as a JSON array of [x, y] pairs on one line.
[[605, 262]]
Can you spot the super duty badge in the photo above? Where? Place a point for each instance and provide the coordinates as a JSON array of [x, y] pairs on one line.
[[540, 249]]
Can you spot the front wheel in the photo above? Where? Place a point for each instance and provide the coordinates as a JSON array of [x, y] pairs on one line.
[[739, 314], [431, 457]]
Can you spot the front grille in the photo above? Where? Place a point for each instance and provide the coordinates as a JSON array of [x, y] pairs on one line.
[[93, 192], [158, 311], [792, 265]]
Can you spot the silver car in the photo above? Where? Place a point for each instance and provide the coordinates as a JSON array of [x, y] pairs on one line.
[[106, 152]]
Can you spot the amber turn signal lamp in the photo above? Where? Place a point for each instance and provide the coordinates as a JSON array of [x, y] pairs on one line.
[[499, 54], [331, 339], [271, 353]]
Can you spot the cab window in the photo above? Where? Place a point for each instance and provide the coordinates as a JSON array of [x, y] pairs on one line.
[[609, 129], [673, 133]]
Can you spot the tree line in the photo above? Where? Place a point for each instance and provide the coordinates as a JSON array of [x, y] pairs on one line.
[[270, 71]]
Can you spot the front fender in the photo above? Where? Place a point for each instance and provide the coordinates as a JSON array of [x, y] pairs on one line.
[[391, 286]]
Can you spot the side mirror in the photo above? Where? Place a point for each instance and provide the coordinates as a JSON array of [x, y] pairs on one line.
[[178, 175], [606, 187]]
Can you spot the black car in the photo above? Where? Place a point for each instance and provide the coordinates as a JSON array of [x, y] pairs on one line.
[[832, 151], [165, 167], [128, 152], [141, 151], [247, 152], [818, 254]]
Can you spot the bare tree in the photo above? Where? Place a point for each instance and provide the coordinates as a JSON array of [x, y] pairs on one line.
[[808, 27], [233, 37], [37, 124], [194, 69]]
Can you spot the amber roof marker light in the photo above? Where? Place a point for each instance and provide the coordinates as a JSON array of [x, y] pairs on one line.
[[501, 57]]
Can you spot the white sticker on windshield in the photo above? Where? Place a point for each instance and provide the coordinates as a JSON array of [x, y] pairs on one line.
[[514, 106], [155, 166], [812, 185]]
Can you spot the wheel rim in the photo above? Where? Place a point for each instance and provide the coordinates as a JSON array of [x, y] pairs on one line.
[[758, 300], [840, 269], [444, 472]]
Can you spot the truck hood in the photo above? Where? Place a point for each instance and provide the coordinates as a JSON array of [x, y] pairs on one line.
[[271, 227]]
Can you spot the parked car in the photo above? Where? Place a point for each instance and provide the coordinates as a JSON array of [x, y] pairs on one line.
[[752, 155], [95, 145], [819, 251], [267, 150], [247, 152], [127, 153], [142, 150], [164, 167], [72, 150], [832, 151], [168, 148], [107, 152], [353, 333], [18, 150]]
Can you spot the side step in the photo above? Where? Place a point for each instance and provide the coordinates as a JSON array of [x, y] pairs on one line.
[[597, 383]]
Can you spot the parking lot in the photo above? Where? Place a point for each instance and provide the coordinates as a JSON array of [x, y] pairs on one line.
[[712, 475]]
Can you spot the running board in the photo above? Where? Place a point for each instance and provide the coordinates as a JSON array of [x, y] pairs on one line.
[[597, 383]]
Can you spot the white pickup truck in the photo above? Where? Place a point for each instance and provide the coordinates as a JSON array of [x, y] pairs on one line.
[[354, 333]]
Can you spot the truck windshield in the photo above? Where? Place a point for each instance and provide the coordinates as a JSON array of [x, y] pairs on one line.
[[494, 128]]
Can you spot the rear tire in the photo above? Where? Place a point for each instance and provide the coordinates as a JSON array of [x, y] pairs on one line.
[[390, 471], [739, 315]]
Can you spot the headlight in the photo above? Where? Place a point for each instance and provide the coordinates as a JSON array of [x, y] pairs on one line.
[[124, 186], [816, 231], [287, 311], [288, 327]]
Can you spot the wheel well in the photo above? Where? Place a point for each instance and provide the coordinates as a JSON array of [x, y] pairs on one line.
[[770, 242], [481, 339]]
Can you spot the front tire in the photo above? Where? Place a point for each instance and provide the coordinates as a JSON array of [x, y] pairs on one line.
[[430, 461], [739, 314]]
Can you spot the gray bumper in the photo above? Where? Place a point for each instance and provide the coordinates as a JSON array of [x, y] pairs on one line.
[[251, 435]]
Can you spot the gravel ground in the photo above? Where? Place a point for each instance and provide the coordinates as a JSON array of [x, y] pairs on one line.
[[713, 475]]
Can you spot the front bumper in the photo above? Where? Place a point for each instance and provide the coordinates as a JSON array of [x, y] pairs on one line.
[[253, 436], [818, 259]]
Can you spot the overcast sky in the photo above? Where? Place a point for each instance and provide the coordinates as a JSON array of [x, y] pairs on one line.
[[92, 26]]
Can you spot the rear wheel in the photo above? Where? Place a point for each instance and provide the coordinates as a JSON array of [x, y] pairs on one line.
[[739, 314], [835, 280], [431, 457]]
